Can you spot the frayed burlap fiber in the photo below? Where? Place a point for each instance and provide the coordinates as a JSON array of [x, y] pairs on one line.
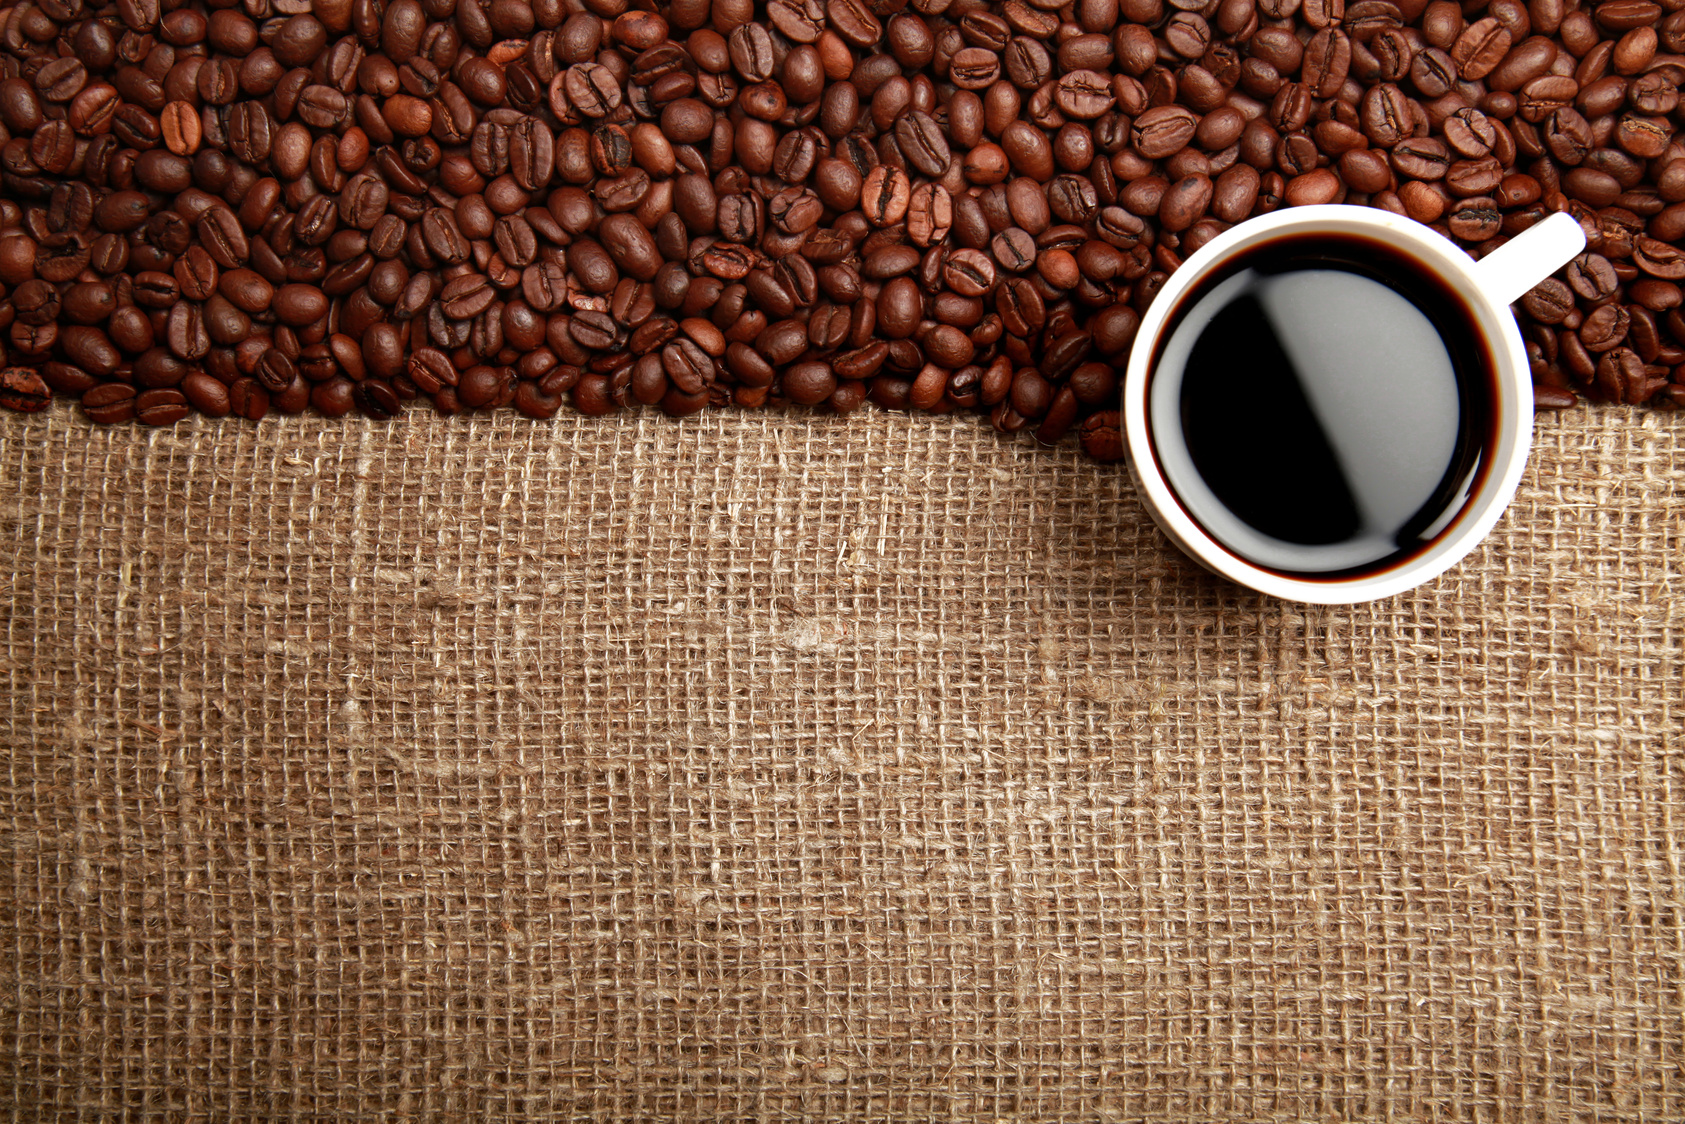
[[779, 767]]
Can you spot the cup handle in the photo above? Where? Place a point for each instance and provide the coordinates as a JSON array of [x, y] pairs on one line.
[[1525, 260]]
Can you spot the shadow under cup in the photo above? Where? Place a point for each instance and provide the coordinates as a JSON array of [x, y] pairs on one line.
[[1324, 405]]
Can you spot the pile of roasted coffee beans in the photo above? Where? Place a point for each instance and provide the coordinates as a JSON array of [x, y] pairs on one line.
[[238, 206]]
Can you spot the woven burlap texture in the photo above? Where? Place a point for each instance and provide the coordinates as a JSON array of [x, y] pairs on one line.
[[773, 767]]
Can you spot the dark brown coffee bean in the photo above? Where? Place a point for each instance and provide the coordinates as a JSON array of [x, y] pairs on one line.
[[160, 407], [1545, 95], [782, 342], [1605, 328], [1621, 377], [1591, 276], [185, 331], [853, 20], [891, 261], [1386, 115], [1659, 259], [299, 305], [969, 273], [1021, 307], [1474, 220], [1474, 177], [885, 194], [442, 237], [922, 142], [1185, 202], [467, 296], [686, 366], [248, 399], [108, 403], [375, 398], [333, 398], [1062, 357], [1084, 94], [20, 106], [276, 370], [1159, 132], [808, 384], [1480, 48], [1625, 15], [1014, 249], [206, 394], [23, 390], [1102, 436], [949, 347], [800, 21]]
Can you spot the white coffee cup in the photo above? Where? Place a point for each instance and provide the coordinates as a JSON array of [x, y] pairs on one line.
[[1485, 287]]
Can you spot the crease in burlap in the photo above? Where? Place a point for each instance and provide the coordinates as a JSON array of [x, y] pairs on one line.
[[765, 767]]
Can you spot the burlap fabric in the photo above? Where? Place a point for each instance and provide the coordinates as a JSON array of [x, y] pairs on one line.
[[768, 767]]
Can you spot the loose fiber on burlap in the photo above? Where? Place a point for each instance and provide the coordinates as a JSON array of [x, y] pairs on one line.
[[768, 767]]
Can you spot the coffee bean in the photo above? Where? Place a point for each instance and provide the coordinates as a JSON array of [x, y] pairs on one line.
[[884, 195], [248, 399], [1102, 436], [1621, 377], [107, 403], [891, 261], [1084, 94], [1545, 95], [23, 390], [161, 407], [854, 21], [1475, 220], [1591, 276], [1159, 132], [206, 394], [1185, 202], [1659, 259], [1605, 328], [1548, 302], [922, 142], [1480, 48], [300, 305], [375, 398], [969, 273]]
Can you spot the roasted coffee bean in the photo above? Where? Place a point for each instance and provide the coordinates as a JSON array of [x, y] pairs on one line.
[[922, 142], [969, 273], [160, 407], [23, 390], [1658, 259], [206, 394], [1102, 436], [1605, 328], [1480, 48], [276, 370], [1159, 132], [1548, 302], [1591, 276], [107, 403], [248, 399], [884, 195], [1014, 249], [376, 399]]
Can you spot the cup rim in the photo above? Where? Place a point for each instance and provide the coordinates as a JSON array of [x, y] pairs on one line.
[[1514, 423]]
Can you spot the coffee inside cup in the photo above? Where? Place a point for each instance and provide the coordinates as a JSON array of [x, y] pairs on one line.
[[1323, 405]]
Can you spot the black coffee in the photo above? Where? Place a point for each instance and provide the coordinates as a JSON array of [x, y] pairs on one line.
[[1323, 405]]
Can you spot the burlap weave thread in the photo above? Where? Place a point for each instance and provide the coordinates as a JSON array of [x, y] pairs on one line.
[[774, 767]]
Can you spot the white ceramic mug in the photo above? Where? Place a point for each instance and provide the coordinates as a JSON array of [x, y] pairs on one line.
[[1486, 287]]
